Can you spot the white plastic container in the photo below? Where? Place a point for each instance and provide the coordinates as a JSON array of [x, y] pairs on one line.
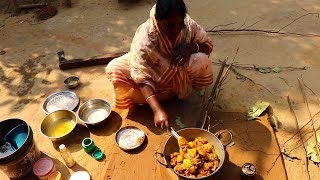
[[80, 175]]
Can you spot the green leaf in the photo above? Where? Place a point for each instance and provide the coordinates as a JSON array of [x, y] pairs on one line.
[[264, 70], [312, 152], [257, 109], [276, 69], [318, 138]]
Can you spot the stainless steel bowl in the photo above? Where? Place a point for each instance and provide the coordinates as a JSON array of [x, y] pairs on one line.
[[172, 146], [94, 111], [58, 125], [72, 82], [63, 100]]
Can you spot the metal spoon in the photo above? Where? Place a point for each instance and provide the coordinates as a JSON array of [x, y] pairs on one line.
[[179, 138], [174, 133]]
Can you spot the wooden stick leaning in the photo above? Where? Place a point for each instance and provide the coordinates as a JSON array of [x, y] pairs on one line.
[[210, 101], [297, 126], [222, 76]]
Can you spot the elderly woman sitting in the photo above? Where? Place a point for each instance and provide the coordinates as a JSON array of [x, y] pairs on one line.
[[168, 56]]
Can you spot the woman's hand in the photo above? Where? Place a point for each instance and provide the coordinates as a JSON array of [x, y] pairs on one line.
[[182, 53], [160, 116], [161, 119]]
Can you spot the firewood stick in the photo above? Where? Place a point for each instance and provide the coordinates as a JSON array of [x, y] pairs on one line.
[[307, 104], [213, 92], [297, 126]]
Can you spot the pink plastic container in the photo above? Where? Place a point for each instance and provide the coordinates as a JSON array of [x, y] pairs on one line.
[[43, 167]]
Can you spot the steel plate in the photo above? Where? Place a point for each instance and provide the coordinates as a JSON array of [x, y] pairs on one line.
[[64, 100], [130, 137]]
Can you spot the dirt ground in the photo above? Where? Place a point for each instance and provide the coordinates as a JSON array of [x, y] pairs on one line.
[[29, 67]]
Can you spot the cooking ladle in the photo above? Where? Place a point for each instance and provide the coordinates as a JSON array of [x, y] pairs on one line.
[[174, 133], [179, 138]]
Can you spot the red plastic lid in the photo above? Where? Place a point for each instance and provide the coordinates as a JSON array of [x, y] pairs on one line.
[[43, 167]]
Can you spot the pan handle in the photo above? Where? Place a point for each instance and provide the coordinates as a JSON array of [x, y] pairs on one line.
[[156, 157], [219, 133]]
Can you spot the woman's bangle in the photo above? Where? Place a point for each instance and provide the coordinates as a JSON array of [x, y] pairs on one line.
[[149, 97], [198, 47]]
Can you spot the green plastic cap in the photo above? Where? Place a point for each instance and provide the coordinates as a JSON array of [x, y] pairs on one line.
[[97, 154]]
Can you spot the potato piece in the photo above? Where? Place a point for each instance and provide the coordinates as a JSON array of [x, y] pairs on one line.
[[192, 152], [192, 144], [203, 172], [195, 161], [173, 161], [201, 139], [212, 156], [207, 166], [186, 163], [202, 152], [183, 151], [192, 169], [178, 168], [180, 158], [175, 154], [214, 168], [215, 165], [208, 147], [182, 141]]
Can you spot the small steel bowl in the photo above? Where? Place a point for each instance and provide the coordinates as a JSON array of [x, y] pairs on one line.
[[72, 82], [58, 125], [94, 112]]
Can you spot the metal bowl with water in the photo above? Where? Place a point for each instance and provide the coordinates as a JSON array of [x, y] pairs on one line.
[[94, 111], [58, 125], [72, 82]]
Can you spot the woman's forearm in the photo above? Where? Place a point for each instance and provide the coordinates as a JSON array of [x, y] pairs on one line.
[[149, 94], [160, 116]]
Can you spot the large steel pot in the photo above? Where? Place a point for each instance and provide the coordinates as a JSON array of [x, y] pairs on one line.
[[171, 146]]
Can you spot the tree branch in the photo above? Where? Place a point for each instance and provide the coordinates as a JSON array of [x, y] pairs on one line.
[[223, 25], [253, 24], [270, 31], [243, 76], [301, 139], [298, 19]]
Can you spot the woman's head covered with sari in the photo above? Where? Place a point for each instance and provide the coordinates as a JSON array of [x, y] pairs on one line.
[[170, 16]]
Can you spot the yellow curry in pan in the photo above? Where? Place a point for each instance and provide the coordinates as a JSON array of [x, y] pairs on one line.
[[195, 158]]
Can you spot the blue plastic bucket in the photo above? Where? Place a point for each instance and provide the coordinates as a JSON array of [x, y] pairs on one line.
[[18, 151]]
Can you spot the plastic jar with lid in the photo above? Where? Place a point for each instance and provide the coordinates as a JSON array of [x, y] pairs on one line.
[[43, 167]]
